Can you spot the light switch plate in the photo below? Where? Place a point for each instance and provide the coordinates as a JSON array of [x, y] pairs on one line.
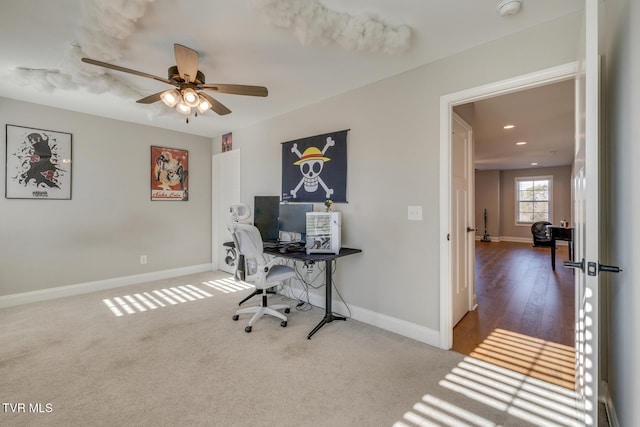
[[415, 213]]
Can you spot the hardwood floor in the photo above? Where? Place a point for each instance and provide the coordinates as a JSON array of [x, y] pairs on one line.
[[525, 311], [517, 291]]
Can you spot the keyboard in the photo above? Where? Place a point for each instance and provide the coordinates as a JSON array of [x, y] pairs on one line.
[[291, 247]]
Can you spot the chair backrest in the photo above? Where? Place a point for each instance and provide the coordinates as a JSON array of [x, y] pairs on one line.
[[539, 230], [240, 213], [248, 242]]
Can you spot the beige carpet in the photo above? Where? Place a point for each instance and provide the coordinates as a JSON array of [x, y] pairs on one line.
[[101, 360]]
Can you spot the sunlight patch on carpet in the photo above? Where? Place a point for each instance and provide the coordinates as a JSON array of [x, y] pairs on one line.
[[228, 285], [525, 377], [535, 357], [166, 297]]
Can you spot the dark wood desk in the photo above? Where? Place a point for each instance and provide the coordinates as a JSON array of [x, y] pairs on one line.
[[560, 233], [328, 259]]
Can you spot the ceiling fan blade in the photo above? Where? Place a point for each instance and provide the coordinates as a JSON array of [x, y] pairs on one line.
[[127, 70], [186, 61], [236, 89], [150, 99], [215, 105]]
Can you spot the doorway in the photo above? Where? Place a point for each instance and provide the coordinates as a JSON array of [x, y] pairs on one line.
[[533, 80], [519, 136]]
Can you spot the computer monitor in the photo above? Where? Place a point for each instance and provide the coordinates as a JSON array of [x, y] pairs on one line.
[[293, 218], [265, 216]]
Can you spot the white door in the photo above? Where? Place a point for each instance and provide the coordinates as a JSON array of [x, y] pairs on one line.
[[462, 217], [226, 192], [585, 177]]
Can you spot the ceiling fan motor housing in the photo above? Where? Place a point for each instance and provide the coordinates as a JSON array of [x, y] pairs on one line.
[[173, 74]]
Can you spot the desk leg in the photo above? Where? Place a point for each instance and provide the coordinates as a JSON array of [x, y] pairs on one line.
[[553, 254], [570, 250], [328, 314]]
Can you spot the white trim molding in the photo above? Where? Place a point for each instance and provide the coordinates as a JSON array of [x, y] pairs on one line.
[[98, 285], [447, 102], [414, 331], [605, 398]]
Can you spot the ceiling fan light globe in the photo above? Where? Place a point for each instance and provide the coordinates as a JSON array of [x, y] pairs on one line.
[[183, 108], [170, 97], [203, 106], [190, 97]]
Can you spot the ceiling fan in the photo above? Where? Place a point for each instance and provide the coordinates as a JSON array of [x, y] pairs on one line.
[[189, 84]]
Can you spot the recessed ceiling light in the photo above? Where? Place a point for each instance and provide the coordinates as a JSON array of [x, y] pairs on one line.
[[534, 163], [521, 143], [508, 126]]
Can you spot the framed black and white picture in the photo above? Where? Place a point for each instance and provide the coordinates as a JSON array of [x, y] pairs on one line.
[[38, 164]]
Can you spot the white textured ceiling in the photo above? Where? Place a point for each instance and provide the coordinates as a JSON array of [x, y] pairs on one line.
[[237, 44], [544, 118]]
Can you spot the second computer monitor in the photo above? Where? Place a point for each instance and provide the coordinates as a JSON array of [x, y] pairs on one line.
[[265, 216], [293, 217]]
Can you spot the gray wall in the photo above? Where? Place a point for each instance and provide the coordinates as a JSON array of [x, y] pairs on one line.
[[393, 150], [622, 231], [393, 163], [488, 197], [495, 190], [561, 208], [110, 221]]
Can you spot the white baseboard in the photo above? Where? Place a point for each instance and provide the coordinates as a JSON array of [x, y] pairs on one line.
[[392, 324], [493, 239], [605, 397], [527, 240], [98, 285], [516, 239], [398, 326]]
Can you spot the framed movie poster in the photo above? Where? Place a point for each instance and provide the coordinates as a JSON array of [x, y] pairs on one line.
[[227, 142], [38, 164], [169, 174]]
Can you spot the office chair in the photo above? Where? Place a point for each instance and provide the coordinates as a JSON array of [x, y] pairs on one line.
[[540, 233], [259, 271], [240, 213]]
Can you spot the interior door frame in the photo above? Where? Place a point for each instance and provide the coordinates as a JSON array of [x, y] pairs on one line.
[[447, 102]]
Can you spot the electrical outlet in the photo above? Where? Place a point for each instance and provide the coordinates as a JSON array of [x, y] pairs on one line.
[[143, 259], [414, 213]]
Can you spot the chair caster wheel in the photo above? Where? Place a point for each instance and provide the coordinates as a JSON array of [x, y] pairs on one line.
[[247, 329], [287, 310], [235, 317], [283, 323]]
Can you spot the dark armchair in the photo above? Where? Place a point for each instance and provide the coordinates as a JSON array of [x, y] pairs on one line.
[[540, 234]]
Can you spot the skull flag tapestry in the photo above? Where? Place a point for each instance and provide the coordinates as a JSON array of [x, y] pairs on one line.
[[314, 169]]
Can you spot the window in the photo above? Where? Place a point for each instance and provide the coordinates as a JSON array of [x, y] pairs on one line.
[[533, 199]]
